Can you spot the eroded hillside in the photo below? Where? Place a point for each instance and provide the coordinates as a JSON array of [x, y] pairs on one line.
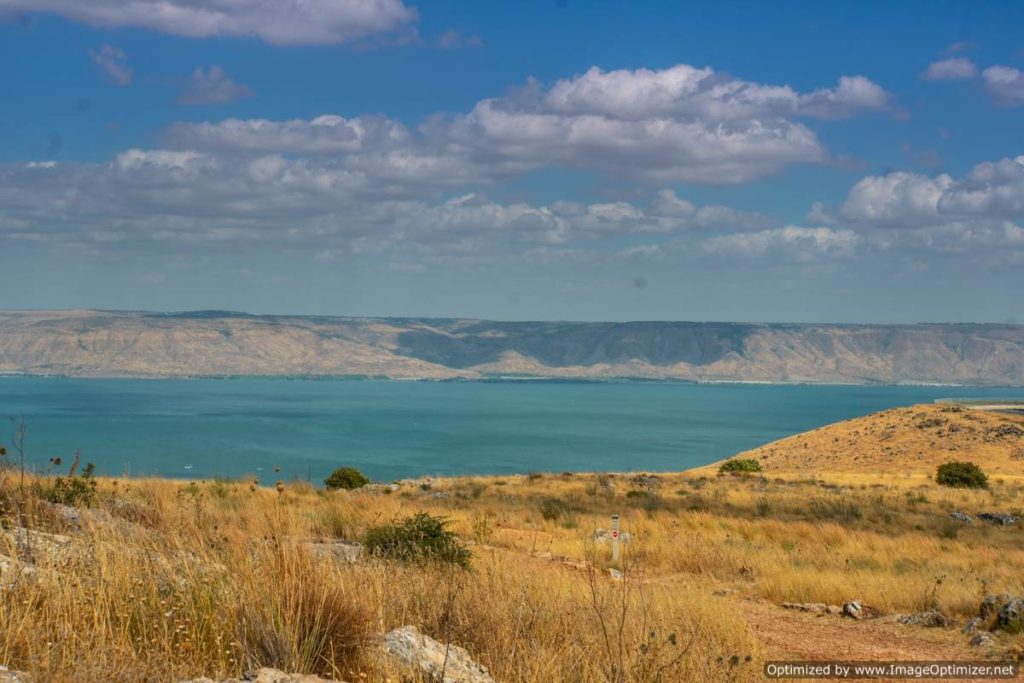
[[213, 343]]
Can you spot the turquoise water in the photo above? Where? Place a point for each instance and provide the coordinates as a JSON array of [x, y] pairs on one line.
[[206, 428]]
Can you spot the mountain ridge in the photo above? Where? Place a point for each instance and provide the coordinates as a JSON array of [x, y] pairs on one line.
[[92, 343]]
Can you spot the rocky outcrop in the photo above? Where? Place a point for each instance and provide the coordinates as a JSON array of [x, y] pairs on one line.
[[1010, 616], [931, 619], [1000, 518], [338, 550], [11, 676], [440, 662]]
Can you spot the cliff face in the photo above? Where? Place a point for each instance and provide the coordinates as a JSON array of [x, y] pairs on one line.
[[96, 343]]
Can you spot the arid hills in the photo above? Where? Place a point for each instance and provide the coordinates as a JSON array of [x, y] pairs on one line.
[[216, 343]]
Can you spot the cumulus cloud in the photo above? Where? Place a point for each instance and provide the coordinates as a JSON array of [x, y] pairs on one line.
[[1005, 83], [113, 62], [282, 22], [900, 199], [327, 134], [954, 68], [978, 214], [791, 243], [212, 86], [679, 124], [897, 199]]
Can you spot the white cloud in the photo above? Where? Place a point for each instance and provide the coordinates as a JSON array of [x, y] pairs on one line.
[[113, 62], [679, 124], [791, 243], [283, 22], [327, 134], [1005, 83], [954, 68], [212, 86], [901, 200], [897, 199]]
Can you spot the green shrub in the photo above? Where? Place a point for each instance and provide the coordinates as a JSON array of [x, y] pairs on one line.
[[74, 489], [346, 478], [961, 475], [739, 465], [553, 509], [644, 500], [420, 538]]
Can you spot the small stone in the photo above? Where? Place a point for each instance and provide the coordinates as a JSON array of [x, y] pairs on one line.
[[615, 574], [858, 610], [983, 639], [973, 625], [962, 517]]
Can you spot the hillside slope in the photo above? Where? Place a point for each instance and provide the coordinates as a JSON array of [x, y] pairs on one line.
[[915, 439], [100, 343]]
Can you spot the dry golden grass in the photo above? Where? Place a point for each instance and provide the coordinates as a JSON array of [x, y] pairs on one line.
[[913, 439], [166, 580]]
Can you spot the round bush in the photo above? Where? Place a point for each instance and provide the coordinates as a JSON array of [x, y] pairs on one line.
[[346, 478], [739, 465], [961, 475]]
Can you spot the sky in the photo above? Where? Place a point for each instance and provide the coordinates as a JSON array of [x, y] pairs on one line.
[[557, 160]]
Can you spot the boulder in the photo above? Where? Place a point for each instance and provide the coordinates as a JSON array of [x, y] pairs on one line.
[[992, 604], [11, 572], [339, 550], [442, 663], [1011, 616], [962, 517], [10, 676], [1000, 518], [858, 610]]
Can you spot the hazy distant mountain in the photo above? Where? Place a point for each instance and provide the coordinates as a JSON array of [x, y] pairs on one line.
[[217, 343]]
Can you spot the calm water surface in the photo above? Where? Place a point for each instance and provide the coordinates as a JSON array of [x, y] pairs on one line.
[[206, 428]]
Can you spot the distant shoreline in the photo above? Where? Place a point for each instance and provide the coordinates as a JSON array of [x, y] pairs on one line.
[[501, 380]]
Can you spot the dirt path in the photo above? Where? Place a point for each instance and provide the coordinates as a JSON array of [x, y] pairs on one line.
[[789, 634]]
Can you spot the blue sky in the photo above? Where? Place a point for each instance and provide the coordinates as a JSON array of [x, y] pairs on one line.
[[530, 160]]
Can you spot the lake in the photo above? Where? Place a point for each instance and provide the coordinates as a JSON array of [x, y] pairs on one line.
[[286, 429]]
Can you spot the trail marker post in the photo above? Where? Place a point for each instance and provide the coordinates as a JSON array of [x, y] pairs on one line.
[[615, 538]]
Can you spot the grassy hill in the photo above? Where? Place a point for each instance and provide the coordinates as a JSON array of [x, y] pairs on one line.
[[916, 439]]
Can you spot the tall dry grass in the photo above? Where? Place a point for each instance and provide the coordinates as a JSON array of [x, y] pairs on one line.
[[168, 580]]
